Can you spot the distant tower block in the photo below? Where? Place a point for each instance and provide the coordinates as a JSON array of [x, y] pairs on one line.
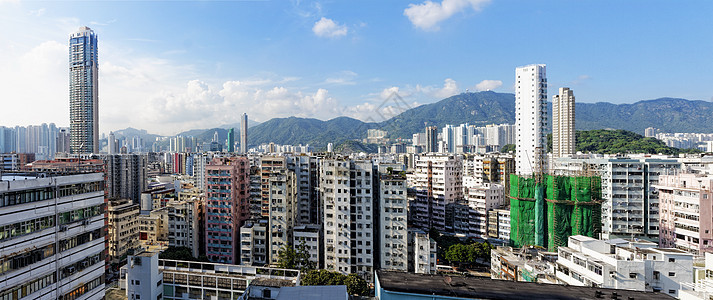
[[244, 133], [563, 139]]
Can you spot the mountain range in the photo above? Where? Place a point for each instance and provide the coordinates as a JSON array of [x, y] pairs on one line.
[[481, 108]]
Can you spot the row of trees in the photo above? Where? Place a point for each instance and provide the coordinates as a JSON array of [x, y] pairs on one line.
[[468, 254], [460, 251]]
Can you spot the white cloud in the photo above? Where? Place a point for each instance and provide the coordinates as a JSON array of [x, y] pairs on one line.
[[581, 79], [38, 12], [488, 85], [342, 78], [428, 14], [35, 80], [450, 88], [329, 29]]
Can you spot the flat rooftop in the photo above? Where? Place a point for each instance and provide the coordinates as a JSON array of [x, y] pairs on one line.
[[486, 288], [315, 292]]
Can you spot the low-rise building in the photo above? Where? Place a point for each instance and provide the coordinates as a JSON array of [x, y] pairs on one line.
[[393, 285], [702, 287], [200, 280], [526, 264], [623, 264]]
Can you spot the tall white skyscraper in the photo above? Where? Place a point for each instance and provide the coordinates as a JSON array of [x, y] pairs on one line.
[[83, 91], [531, 118], [563, 123], [244, 133]]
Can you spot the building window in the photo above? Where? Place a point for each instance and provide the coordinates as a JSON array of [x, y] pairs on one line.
[[672, 274]]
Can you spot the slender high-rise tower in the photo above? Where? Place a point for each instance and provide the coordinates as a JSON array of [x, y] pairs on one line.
[[530, 118], [83, 91], [431, 139], [563, 141], [231, 140], [244, 133]]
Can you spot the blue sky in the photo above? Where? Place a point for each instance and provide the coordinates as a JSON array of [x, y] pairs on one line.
[[167, 66]]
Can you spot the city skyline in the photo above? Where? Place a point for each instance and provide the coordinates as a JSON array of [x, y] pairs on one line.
[[324, 60]]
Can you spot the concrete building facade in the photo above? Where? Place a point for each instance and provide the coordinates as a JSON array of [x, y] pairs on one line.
[[686, 212], [227, 194], [52, 240], [347, 189], [392, 230]]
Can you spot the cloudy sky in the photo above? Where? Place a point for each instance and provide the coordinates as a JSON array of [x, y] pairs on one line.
[[167, 66]]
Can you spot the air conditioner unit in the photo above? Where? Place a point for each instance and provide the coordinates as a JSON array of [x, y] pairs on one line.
[[63, 228], [86, 222]]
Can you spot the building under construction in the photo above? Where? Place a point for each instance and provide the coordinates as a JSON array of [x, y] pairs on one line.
[[546, 210]]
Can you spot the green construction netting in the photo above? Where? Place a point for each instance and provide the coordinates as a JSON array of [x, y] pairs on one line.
[[572, 209]]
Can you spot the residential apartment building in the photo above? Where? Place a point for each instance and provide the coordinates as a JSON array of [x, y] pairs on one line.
[[563, 142], [630, 205], [482, 199], [122, 228], [253, 243], [623, 264], [499, 225], [126, 176], [530, 118], [437, 181], [686, 212], [306, 184], [422, 250], [392, 229], [281, 212], [311, 236], [269, 165], [226, 208], [52, 238], [84, 91], [347, 189]]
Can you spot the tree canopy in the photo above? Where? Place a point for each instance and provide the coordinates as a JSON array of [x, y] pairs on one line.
[[180, 253], [297, 257], [606, 141], [355, 284]]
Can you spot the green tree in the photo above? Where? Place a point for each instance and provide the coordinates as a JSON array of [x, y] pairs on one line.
[[178, 253], [355, 284], [298, 257], [507, 148], [286, 257]]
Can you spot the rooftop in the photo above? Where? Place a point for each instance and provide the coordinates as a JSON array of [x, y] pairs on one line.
[[317, 292], [272, 282], [486, 288]]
